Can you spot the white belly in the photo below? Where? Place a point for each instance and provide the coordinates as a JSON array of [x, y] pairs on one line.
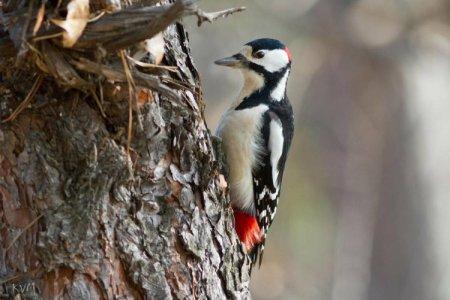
[[241, 137]]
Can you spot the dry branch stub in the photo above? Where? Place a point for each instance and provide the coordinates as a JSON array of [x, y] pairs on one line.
[[81, 216]]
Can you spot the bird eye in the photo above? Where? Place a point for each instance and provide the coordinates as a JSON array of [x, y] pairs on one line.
[[258, 54]]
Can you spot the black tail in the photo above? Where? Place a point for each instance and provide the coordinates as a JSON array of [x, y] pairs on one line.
[[256, 254]]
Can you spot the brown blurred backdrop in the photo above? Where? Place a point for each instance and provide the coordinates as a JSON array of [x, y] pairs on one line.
[[365, 208]]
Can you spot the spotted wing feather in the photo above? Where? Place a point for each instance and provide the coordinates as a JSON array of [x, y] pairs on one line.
[[276, 136]]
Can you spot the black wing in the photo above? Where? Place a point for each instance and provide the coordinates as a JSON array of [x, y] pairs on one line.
[[276, 134]]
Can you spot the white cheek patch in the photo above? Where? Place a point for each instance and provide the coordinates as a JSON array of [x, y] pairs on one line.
[[273, 60]]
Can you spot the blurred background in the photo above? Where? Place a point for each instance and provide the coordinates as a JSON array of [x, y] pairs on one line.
[[365, 208]]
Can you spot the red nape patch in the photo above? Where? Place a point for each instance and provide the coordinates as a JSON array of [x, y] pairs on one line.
[[288, 52], [247, 229]]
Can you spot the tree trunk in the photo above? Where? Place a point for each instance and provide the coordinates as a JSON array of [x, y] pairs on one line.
[[82, 215]]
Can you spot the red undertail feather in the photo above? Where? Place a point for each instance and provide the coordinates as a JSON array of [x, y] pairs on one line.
[[247, 229]]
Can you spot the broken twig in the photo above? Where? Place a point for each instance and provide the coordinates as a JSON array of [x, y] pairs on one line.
[[131, 93], [23, 230], [26, 101], [152, 66], [209, 17]]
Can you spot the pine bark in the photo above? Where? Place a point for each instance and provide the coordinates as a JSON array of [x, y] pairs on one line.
[[80, 216]]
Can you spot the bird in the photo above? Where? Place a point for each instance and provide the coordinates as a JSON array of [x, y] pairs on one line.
[[256, 133]]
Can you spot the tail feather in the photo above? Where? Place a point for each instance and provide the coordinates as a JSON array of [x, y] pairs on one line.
[[257, 253]]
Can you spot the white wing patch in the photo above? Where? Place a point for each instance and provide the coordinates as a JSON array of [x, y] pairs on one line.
[[276, 141]]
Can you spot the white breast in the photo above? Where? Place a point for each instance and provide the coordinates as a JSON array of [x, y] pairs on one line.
[[240, 133]]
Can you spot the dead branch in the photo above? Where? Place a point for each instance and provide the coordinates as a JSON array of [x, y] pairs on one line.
[[57, 65], [203, 16], [113, 74], [128, 26], [131, 25]]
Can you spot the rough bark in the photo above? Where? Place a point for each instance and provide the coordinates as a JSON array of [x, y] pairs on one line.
[[80, 216]]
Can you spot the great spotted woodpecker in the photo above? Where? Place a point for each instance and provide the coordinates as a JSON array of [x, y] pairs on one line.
[[256, 133]]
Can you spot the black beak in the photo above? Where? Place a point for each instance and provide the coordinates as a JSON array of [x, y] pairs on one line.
[[235, 61]]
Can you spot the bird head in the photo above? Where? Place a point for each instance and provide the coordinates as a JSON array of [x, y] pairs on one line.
[[266, 57], [265, 64]]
